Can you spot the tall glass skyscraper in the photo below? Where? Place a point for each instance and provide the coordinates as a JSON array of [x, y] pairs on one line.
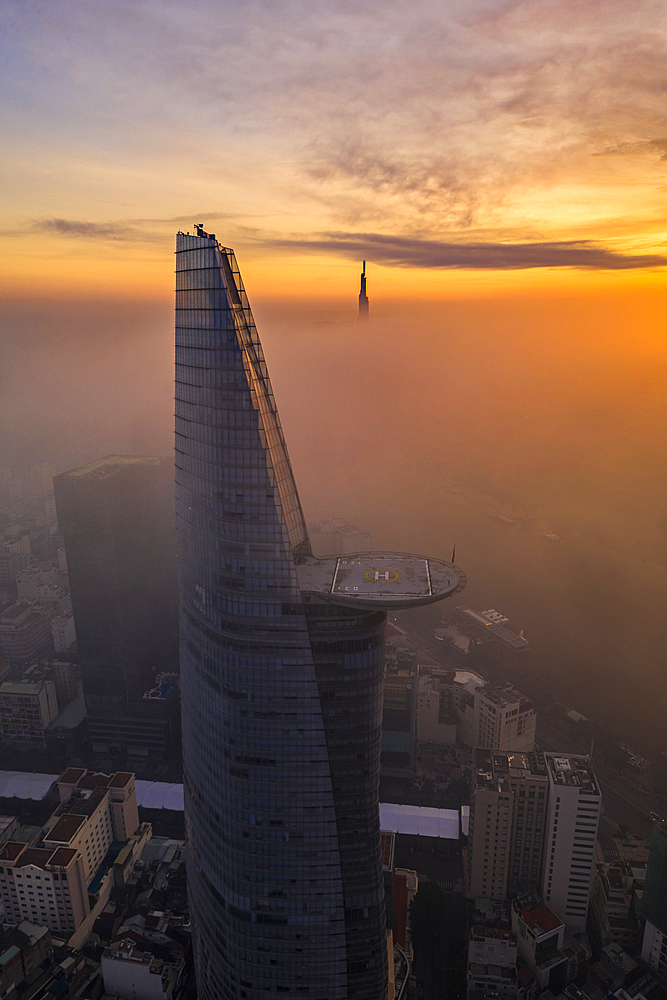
[[116, 516], [281, 672]]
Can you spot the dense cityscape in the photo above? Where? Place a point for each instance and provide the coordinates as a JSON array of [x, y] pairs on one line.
[[343, 784]]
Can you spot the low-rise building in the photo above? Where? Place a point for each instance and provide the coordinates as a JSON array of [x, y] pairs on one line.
[[11, 968], [540, 939], [30, 582], [138, 975], [612, 905], [492, 952], [34, 943], [620, 966]]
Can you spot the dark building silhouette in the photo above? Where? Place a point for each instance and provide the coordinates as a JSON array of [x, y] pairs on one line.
[[116, 516], [282, 672], [363, 298]]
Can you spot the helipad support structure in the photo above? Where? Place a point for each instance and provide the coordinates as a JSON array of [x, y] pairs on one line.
[[282, 667]]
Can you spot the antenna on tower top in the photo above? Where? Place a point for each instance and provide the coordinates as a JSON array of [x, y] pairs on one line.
[[363, 298]]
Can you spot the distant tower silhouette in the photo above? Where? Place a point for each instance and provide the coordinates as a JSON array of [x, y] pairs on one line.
[[363, 298]]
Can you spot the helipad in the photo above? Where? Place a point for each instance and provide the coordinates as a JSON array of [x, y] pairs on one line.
[[390, 580]]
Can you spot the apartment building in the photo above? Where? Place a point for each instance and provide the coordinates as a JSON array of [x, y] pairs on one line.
[[26, 710], [46, 886], [507, 823], [572, 825], [25, 630], [52, 884], [498, 717], [492, 952]]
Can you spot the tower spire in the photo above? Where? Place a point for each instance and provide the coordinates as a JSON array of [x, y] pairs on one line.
[[363, 298]]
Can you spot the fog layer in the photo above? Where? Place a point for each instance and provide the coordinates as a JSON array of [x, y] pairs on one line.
[[415, 426]]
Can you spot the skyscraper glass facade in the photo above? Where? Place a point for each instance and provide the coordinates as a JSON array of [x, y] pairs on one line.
[[281, 686], [265, 874], [116, 516]]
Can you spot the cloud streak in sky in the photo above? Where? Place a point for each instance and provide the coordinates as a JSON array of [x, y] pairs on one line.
[[399, 251], [89, 230]]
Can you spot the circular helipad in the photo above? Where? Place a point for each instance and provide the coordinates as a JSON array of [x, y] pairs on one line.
[[389, 580]]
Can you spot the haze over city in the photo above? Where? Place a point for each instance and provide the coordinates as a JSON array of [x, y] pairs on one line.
[[488, 420], [503, 170]]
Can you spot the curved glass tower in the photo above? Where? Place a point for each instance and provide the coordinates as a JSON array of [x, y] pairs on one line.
[[281, 673]]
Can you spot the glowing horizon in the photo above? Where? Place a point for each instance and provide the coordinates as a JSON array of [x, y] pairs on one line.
[[311, 134]]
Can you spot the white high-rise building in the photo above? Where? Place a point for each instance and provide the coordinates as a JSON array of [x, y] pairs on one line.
[[507, 824], [573, 815], [498, 718]]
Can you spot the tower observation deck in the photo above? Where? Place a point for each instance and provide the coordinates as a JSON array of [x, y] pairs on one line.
[[282, 669]]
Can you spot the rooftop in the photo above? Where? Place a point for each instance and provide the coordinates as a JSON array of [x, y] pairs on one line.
[[386, 580], [504, 694], [66, 828], [569, 769], [81, 803], [34, 932], [540, 919], [16, 611], [120, 779], [492, 765], [10, 851], [72, 775], [493, 629], [62, 856], [20, 855], [20, 687], [39, 857]]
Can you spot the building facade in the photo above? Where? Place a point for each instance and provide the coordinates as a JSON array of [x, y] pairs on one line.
[[572, 826], [25, 630], [492, 952], [117, 521], [507, 823], [54, 884], [533, 826], [281, 672], [26, 711], [498, 717]]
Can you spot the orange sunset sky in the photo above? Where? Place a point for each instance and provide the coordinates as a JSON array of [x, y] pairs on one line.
[[465, 149]]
